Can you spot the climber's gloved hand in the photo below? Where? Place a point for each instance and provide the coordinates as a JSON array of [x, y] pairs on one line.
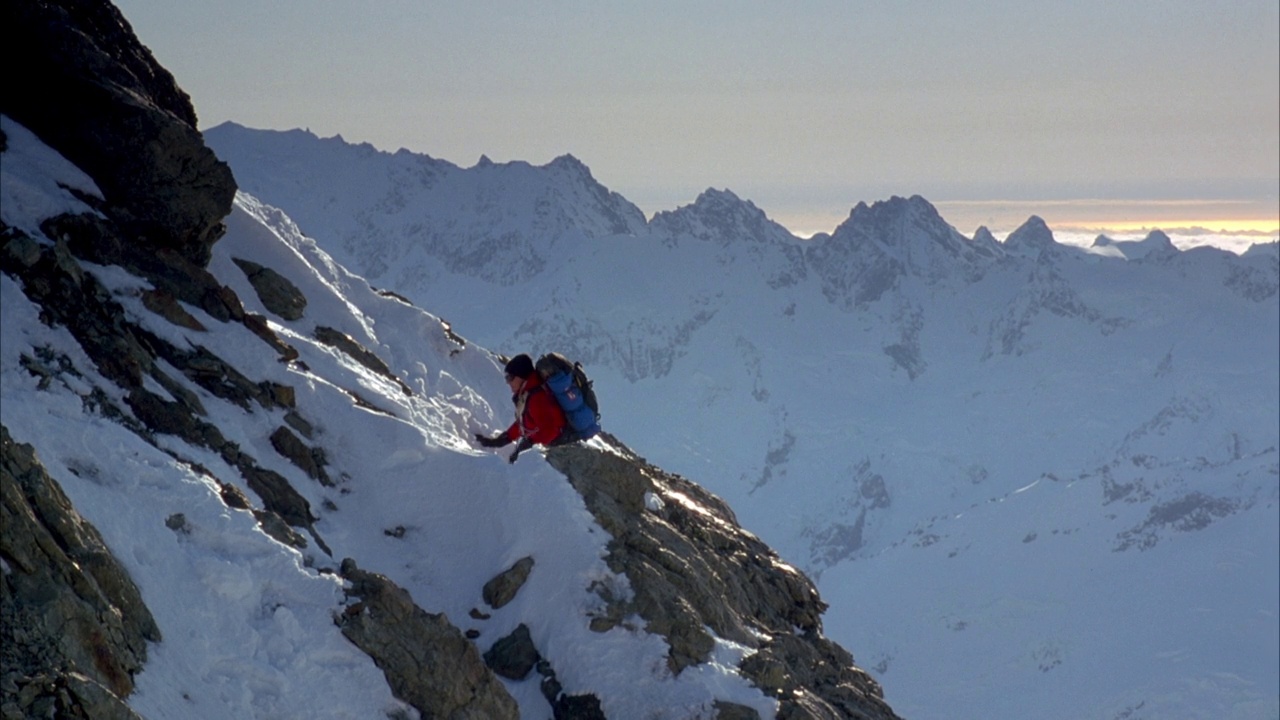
[[497, 441], [525, 444]]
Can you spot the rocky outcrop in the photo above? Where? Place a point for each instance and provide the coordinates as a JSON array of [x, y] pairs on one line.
[[515, 657], [75, 628], [359, 353], [428, 662], [276, 292], [311, 460], [693, 571], [93, 92]]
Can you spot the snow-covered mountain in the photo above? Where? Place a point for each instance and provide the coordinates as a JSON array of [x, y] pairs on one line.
[[238, 482], [499, 223], [1033, 479]]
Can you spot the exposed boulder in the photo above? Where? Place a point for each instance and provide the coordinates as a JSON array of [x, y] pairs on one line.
[[502, 589], [514, 656], [734, 711], [577, 707], [427, 660], [276, 292], [75, 628]]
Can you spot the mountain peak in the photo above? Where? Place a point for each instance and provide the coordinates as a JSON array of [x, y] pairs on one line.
[[1155, 245], [882, 243], [426, 213], [909, 229], [1032, 237], [1157, 242], [896, 214], [720, 216], [570, 163], [714, 195], [713, 200], [986, 243], [578, 172]]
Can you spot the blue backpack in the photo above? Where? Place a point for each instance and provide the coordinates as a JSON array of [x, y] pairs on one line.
[[572, 389]]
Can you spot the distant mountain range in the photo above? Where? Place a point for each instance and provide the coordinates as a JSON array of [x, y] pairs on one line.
[[1033, 479]]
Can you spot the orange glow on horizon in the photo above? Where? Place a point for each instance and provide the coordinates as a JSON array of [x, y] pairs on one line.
[[1250, 226], [1262, 229], [1258, 219]]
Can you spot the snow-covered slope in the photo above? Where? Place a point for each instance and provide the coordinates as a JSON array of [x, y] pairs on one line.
[[1034, 480], [256, 616]]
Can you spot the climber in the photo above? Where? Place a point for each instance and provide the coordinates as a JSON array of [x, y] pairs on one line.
[[539, 419]]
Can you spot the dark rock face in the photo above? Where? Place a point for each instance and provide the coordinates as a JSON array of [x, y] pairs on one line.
[[691, 567], [276, 292], [359, 353], [427, 660], [74, 628], [310, 460], [90, 90]]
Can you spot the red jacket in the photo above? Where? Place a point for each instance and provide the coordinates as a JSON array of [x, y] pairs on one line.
[[538, 415]]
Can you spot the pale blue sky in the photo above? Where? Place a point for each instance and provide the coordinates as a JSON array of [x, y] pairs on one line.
[[805, 108]]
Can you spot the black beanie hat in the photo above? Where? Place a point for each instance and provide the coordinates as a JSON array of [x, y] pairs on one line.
[[521, 366]]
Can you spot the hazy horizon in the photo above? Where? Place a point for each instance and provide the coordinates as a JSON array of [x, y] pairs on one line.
[[1092, 115]]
